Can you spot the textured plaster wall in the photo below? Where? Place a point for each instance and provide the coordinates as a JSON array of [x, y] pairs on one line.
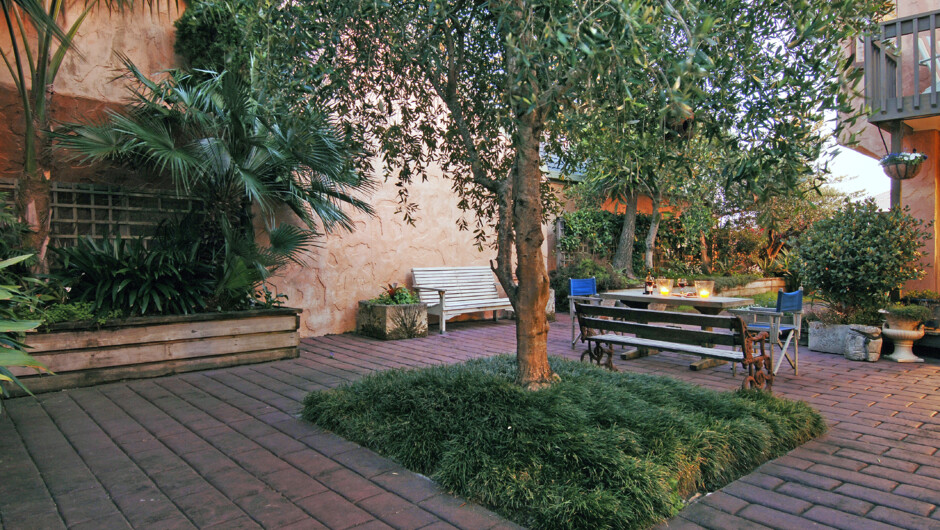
[[920, 193], [349, 267], [84, 86]]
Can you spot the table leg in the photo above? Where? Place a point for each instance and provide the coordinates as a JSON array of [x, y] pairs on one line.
[[705, 363]]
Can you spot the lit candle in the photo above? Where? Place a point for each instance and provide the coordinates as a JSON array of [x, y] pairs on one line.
[[704, 293], [664, 291]]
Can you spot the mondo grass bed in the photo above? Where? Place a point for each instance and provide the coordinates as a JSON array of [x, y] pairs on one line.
[[596, 450]]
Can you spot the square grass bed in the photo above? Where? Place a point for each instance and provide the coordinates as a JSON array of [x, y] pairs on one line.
[[596, 450]]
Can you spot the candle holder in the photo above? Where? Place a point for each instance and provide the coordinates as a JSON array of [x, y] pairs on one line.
[[664, 285], [704, 288]]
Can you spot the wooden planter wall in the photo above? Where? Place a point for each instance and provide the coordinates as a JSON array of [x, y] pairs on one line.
[[155, 346]]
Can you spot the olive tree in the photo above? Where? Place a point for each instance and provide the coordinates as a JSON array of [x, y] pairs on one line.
[[474, 86]]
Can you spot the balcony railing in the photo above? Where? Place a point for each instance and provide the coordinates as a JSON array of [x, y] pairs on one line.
[[902, 69]]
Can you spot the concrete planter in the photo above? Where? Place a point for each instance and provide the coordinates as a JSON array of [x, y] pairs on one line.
[[82, 354], [903, 332], [391, 322], [827, 338]]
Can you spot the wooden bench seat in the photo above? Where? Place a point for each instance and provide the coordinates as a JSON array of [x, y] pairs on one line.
[[602, 327], [453, 291]]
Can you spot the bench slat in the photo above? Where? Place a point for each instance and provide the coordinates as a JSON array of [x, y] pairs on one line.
[[670, 346], [687, 336], [648, 315]]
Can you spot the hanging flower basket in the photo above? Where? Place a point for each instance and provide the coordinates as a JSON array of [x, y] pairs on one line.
[[903, 166]]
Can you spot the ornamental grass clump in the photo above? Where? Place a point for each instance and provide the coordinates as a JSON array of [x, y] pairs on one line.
[[854, 259], [595, 450]]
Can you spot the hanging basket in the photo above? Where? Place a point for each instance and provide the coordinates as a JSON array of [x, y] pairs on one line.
[[902, 171]]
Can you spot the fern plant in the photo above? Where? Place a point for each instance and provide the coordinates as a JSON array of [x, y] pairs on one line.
[[12, 349]]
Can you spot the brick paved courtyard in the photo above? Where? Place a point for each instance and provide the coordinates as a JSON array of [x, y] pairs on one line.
[[223, 448]]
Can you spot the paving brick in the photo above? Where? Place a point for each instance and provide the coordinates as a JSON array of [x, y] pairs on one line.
[[411, 517], [113, 521], [724, 502], [902, 477], [881, 460], [84, 505], [293, 484], [246, 523], [329, 444], [459, 512], [802, 477], [676, 523], [762, 480], [885, 499], [842, 520], [333, 510], [350, 485], [207, 508], [409, 485], [708, 517], [767, 498], [854, 477], [899, 519], [826, 498], [259, 462], [270, 509], [777, 519], [366, 462]]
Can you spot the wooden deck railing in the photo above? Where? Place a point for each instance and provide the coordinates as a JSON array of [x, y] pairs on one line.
[[902, 69]]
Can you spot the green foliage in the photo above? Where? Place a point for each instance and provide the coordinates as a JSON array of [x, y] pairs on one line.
[[590, 231], [596, 450], [919, 313], [211, 34], [605, 275], [858, 256], [922, 294], [128, 276], [12, 350], [73, 312], [395, 295]]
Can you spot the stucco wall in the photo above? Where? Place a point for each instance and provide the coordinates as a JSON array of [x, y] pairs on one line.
[[920, 193], [85, 84], [349, 267]]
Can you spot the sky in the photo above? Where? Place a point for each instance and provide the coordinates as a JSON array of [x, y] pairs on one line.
[[861, 173]]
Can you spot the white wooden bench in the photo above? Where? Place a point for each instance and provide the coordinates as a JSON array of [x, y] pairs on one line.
[[452, 291]]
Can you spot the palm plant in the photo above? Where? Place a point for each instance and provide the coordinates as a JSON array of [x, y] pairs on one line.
[[12, 349], [222, 141]]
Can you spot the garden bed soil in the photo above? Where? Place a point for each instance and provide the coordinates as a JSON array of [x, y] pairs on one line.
[[82, 354]]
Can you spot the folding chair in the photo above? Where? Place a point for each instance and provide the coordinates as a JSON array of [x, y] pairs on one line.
[[583, 291], [782, 324]]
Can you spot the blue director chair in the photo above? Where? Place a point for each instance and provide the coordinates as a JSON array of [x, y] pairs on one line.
[[582, 291], [782, 323]]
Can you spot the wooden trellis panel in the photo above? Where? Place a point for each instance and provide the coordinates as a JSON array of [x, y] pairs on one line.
[[99, 210]]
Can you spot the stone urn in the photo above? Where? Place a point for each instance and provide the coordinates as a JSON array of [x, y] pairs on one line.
[[391, 322], [903, 332], [827, 338], [862, 343]]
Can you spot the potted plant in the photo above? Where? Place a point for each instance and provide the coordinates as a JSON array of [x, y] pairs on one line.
[[397, 313], [903, 166], [927, 298], [903, 325], [853, 260]]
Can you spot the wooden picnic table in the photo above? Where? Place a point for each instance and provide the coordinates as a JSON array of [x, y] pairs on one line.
[[707, 306]]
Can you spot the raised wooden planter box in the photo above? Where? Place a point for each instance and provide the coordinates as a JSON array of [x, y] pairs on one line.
[[133, 348]]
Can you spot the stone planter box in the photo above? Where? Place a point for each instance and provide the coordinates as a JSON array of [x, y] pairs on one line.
[[391, 322], [762, 285], [827, 338], [82, 354]]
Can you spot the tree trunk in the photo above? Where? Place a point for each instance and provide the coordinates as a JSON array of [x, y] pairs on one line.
[[531, 295], [706, 258], [623, 258], [654, 227], [33, 197]]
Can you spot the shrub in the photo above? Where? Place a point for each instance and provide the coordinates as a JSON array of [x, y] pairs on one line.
[[919, 313], [922, 294], [855, 258], [596, 450], [590, 231], [395, 295], [128, 276], [12, 327], [606, 276], [210, 35]]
